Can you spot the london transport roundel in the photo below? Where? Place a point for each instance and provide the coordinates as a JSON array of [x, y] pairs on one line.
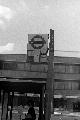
[[37, 42]]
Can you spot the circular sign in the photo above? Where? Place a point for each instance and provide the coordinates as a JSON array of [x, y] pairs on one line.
[[37, 42]]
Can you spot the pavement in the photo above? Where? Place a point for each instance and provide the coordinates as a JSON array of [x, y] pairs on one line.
[[64, 117], [16, 114]]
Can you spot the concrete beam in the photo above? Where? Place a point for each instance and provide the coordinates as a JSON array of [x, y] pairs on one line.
[[22, 74]]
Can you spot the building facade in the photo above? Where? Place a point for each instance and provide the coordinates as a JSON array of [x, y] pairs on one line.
[[66, 92]]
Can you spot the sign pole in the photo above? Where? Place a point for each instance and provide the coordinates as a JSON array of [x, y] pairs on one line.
[[50, 79]]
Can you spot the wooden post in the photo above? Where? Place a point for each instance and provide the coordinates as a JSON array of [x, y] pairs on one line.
[[4, 106], [11, 105], [50, 79], [41, 105], [7, 106], [2, 103], [0, 95]]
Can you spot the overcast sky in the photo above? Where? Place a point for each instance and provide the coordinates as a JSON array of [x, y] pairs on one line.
[[18, 18]]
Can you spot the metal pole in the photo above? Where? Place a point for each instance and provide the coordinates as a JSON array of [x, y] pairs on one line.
[[50, 79]]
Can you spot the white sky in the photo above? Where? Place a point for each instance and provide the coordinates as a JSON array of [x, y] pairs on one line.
[[18, 18]]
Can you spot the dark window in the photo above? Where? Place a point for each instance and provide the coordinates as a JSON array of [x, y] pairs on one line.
[[75, 85], [1, 64], [72, 68], [10, 66], [76, 106], [77, 68], [67, 85], [69, 68], [59, 67], [59, 85]]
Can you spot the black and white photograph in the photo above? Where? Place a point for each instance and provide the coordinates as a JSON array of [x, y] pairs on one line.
[[39, 59]]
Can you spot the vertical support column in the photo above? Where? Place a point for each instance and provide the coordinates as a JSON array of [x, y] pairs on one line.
[[11, 105], [50, 78], [43, 88], [1, 104], [7, 105], [4, 106], [0, 95], [41, 105]]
